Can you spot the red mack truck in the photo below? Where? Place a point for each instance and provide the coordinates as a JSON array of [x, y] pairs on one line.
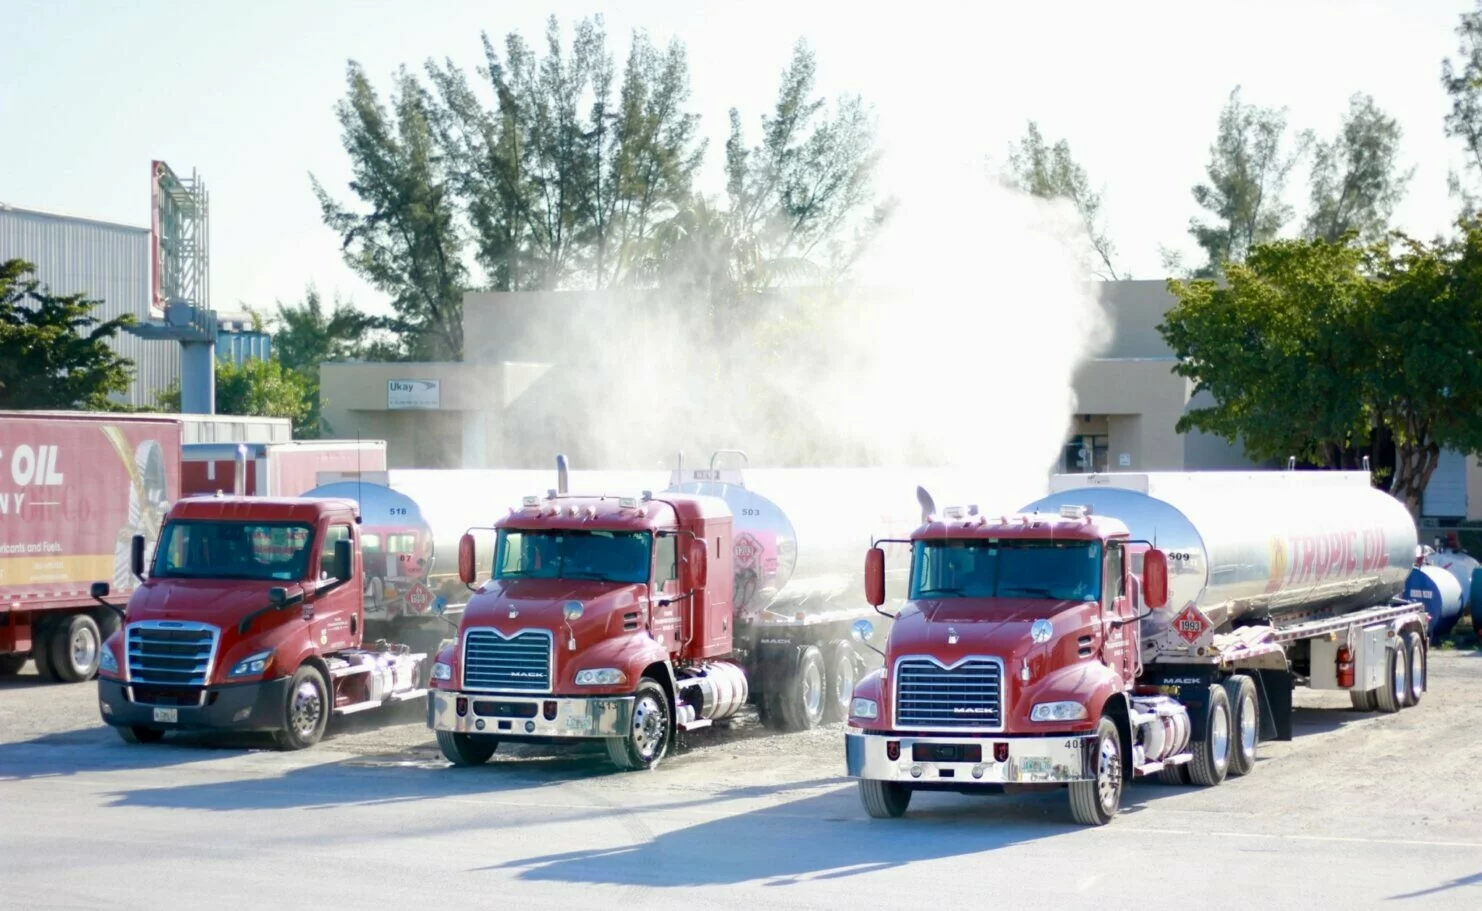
[[1131, 625], [251, 618], [616, 618]]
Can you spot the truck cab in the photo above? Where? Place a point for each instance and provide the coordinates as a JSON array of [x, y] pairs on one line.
[[1011, 662], [591, 606], [251, 619]]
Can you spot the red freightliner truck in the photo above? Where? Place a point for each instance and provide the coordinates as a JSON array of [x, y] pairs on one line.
[[616, 618], [251, 618], [1132, 625]]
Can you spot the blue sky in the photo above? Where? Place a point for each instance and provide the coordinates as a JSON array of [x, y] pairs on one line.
[[244, 93]]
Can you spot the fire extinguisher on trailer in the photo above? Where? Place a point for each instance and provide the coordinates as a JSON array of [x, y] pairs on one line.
[[1345, 667]]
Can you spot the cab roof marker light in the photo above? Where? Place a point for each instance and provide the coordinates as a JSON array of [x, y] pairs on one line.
[[953, 512], [531, 501], [629, 502], [1072, 511], [648, 495]]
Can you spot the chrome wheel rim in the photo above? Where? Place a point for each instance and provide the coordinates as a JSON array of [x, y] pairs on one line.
[[1401, 681], [84, 648], [1219, 736], [1109, 774], [1417, 676], [1248, 725], [844, 681], [648, 727], [308, 708], [813, 690]]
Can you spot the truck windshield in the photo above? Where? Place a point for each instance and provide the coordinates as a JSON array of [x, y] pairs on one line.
[[610, 556], [233, 550], [1020, 568]]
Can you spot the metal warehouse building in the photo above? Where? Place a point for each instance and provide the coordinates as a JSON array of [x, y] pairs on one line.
[[106, 261]]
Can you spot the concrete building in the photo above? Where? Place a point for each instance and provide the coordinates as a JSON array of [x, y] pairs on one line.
[[502, 406]]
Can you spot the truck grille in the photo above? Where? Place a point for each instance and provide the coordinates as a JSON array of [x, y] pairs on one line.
[[931, 697], [522, 662], [170, 652]]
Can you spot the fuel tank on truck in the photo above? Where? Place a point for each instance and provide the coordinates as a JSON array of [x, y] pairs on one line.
[[1256, 547]]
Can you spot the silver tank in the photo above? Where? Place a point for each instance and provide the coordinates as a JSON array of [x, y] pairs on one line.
[[1256, 547]]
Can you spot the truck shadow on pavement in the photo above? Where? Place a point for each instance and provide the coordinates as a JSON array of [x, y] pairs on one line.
[[823, 837]]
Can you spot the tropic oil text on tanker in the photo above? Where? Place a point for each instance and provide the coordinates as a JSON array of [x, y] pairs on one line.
[[1335, 555]]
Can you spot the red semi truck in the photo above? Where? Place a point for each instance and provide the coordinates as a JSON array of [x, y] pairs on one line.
[[251, 619], [76, 487], [1061, 647], [615, 618]]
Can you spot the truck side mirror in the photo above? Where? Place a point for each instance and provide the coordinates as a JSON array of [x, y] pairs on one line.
[[99, 590], [136, 556], [466, 555], [1155, 578], [277, 596], [342, 567], [699, 562], [875, 576]]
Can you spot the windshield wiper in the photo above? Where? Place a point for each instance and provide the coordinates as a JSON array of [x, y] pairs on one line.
[[1032, 590]]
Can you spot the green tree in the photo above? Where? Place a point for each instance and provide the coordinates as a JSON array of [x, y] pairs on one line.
[[795, 196], [53, 350], [407, 244], [1356, 176], [260, 388], [305, 336], [1327, 351], [1248, 169], [1462, 81], [1051, 172]]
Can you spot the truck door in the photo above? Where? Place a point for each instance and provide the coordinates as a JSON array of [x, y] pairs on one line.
[[1120, 649], [337, 613], [664, 622]]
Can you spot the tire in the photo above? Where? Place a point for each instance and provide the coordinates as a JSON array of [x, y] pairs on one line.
[[41, 646], [140, 734], [1245, 723], [466, 749], [802, 699], [306, 710], [1366, 701], [10, 665], [1416, 658], [841, 677], [1390, 697], [1177, 775], [1212, 754], [1095, 802], [75, 646], [884, 799], [647, 741]]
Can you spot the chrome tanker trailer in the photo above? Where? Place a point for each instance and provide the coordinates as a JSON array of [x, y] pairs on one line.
[[1134, 624]]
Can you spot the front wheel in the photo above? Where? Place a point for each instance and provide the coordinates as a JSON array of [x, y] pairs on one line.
[[1095, 802], [306, 710], [466, 749], [884, 799], [647, 738]]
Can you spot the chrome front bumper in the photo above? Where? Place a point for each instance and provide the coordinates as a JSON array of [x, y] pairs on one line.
[[498, 714], [1031, 760]]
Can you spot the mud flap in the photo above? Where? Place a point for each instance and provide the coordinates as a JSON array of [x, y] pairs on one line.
[[776, 660], [1275, 691]]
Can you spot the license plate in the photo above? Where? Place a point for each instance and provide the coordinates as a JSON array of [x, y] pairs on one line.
[[1035, 765], [167, 716]]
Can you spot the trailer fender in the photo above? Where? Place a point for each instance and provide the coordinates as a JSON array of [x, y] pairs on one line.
[[870, 686]]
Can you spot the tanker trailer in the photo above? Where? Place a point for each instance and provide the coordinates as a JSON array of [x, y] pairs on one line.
[[1289, 577]]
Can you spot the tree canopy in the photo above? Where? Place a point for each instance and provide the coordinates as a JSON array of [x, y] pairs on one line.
[[54, 351], [1051, 172], [1329, 351], [262, 388]]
